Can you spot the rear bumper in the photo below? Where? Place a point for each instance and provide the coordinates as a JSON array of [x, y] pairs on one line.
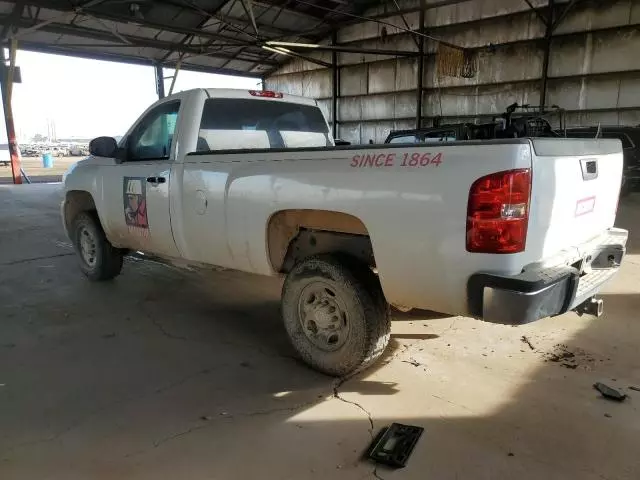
[[540, 293]]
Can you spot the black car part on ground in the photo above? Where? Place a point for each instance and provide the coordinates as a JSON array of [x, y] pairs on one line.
[[393, 445]]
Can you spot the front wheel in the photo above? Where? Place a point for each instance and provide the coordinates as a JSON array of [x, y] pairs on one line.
[[335, 314], [99, 260]]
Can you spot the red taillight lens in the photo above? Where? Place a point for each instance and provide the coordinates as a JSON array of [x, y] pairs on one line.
[[498, 212], [265, 93]]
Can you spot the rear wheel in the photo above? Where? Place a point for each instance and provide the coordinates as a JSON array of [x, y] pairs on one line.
[[335, 314], [99, 260]]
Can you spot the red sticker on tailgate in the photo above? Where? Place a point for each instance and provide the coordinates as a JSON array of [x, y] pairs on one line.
[[585, 206]]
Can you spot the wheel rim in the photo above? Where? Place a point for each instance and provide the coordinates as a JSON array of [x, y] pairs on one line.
[[87, 246], [323, 316]]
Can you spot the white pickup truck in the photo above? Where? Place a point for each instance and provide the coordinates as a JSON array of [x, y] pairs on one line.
[[509, 231]]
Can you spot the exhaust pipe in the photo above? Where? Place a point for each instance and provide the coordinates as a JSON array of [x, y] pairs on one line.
[[593, 306]]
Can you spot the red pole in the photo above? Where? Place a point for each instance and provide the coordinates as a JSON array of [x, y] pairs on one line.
[[6, 81], [13, 144]]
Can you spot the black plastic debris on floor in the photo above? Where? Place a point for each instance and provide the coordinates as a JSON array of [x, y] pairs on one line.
[[610, 392], [524, 339], [413, 362], [394, 444]]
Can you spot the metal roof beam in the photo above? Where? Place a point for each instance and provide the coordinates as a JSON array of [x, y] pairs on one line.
[[168, 27], [247, 6], [287, 52], [545, 21], [406, 24], [107, 36], [264, 28], [322, 31], [208, 15], [289, 11], [15, 15], [115, 57], [189, 37], [340, 48], [563, 15]]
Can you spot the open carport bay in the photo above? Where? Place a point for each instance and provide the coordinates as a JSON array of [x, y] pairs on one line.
[[168, 373]]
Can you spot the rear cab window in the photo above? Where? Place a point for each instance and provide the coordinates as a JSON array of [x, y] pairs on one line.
[[436, 136], [404, 139], [237, 124]]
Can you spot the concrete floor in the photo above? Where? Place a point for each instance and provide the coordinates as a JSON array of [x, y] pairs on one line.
[[170, 374]]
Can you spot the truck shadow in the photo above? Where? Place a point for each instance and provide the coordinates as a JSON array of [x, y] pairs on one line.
[[416, 314], [191, 377]]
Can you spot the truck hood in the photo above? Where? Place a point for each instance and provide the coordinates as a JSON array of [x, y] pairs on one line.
[[92, 160], [88, 162]]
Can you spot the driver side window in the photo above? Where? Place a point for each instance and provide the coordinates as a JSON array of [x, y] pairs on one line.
[[153, 136]]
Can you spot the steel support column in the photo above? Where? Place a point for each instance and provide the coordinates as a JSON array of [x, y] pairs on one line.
[[335, 89], [5, 86], [547, 53], [159, 81], [564, 14], [420, 67], [551, 24]]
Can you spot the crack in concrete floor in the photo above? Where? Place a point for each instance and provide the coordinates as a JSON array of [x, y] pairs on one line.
[[336, 395]]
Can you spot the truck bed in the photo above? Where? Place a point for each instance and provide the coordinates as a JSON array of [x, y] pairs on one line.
[[414, 215]]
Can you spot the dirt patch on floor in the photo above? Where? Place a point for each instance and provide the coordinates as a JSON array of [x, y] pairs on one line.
[[571, 357]]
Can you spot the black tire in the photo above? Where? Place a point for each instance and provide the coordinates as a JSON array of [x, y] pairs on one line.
[[366, 313], [107, 260]]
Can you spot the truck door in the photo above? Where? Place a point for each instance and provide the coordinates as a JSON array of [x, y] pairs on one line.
[[137, 190]]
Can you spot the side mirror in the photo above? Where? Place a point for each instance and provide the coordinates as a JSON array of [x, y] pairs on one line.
[[103, 147]]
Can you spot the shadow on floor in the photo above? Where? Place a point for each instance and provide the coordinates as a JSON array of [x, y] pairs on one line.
[[171, 374]]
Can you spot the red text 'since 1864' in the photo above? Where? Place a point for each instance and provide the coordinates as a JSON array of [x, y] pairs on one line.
[[412, 160]]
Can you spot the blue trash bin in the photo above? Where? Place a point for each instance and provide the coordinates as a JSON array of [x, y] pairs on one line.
[[47, 160]]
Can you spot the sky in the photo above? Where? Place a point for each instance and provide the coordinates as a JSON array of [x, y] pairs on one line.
[[90, 98]]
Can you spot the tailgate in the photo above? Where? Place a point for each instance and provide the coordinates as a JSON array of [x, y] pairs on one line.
[[575, 188]]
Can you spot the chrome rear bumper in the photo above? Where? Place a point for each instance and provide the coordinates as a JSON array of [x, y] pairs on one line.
[[546, 292]]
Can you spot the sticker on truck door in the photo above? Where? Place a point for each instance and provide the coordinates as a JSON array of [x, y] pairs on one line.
[[135, 205]]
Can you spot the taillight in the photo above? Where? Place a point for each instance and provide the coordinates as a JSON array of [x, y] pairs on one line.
[[498, 212], [265, 93]]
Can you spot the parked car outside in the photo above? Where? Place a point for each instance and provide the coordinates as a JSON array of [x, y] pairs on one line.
[[59, 152], [79, 150]]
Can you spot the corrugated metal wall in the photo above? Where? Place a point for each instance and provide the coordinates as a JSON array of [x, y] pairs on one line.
[[594, 66]]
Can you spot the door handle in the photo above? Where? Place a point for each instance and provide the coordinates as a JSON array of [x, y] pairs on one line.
[[156, 180]]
